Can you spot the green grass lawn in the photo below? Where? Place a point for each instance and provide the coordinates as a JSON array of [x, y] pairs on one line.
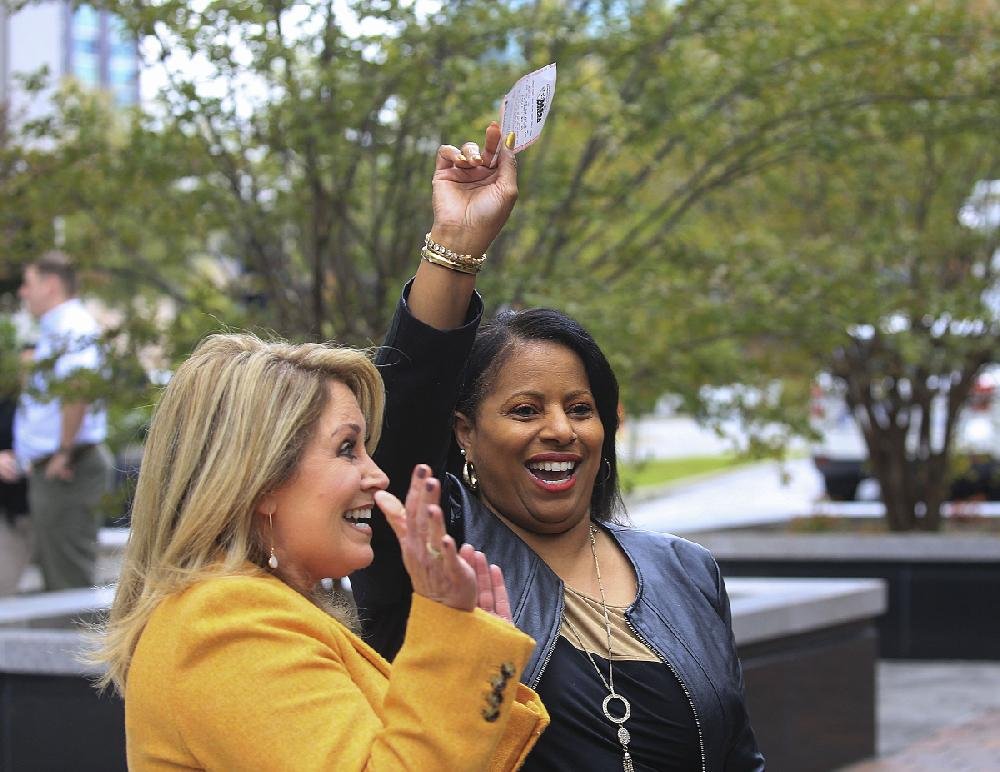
[[665, 470]]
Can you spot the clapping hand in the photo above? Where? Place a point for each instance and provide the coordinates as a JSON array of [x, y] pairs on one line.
[[459, 578], [471, 201]]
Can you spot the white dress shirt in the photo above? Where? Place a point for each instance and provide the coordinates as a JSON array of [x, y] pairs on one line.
[[68, 335]]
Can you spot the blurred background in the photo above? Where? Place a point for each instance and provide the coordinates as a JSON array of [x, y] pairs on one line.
[[779, 218]]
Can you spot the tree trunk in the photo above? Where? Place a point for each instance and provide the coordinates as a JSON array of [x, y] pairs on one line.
[[894, 406], [887, 456]]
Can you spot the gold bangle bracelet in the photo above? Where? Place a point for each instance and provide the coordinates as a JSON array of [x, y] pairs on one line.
[[473, 263], [452, 265], [450, 254]]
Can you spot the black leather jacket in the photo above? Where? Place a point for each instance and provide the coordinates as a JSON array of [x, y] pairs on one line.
[[681, 610]]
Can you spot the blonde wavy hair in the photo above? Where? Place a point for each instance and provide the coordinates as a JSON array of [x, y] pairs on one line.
[[230, 427]]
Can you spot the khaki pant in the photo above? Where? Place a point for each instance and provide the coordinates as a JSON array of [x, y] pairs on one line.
[[15, 552], [66, 516]]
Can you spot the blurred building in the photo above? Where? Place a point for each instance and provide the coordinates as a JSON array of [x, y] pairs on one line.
[[82, 42]]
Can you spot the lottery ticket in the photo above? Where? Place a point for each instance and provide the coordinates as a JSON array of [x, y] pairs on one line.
[[526, 107]]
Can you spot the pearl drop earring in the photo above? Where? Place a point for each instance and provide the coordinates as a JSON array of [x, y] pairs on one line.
[[273, 560]]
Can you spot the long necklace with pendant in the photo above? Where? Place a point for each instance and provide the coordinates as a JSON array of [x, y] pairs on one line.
[[609, 683]]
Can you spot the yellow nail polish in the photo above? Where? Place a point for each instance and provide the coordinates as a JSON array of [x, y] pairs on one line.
[[509, 142]]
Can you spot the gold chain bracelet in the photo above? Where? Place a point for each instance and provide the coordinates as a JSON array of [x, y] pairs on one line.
[[434, 259], [439, 254]]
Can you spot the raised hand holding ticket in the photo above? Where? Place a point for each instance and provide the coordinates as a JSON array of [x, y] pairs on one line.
[[526, 107]]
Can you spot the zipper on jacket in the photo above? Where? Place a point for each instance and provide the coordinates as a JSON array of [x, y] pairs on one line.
[[648, 645], [548, 655], [694, 711]]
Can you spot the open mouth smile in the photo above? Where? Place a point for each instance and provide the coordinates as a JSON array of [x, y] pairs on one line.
[[360, 518], [552, 474]]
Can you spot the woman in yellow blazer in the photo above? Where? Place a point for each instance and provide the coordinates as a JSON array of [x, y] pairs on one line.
[[256, 485]]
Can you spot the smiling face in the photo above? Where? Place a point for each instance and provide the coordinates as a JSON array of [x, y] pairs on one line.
[[536, 439], [321, 515]]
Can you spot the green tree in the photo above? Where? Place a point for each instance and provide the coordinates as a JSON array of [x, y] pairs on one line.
[[660, 206], [9, 364], [314, 141], [854, 260], [898, 296], [305, 132]]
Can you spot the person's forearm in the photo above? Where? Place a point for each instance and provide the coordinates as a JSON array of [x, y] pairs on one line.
[[422, 369], [72, 420], [440, 297]]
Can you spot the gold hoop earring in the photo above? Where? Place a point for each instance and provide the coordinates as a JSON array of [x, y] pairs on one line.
[[469, 473], [273, 560]]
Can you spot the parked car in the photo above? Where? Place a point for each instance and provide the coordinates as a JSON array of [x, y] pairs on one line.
[[841, 455]]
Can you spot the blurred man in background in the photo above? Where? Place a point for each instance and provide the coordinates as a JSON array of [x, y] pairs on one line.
[[58, 432]]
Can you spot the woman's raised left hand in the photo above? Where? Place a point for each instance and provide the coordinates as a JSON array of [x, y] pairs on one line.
[[471, 200], [461, 579]]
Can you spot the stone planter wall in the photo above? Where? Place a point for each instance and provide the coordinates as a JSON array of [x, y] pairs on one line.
[[942, 589], [54, 723], [809, 650]]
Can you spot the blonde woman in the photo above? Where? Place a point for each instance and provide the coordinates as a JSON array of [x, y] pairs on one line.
[[256, 484]]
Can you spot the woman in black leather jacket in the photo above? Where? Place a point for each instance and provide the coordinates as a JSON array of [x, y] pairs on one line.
[[635, 661]]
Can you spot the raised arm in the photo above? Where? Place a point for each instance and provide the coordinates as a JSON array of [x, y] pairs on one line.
[[428, 341], [423, 356], [471, 203]]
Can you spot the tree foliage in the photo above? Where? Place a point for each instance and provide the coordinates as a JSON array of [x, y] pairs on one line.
[[858, 261], [725, 187]]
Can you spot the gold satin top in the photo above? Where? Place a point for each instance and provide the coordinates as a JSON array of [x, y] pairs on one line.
[[587, 617]]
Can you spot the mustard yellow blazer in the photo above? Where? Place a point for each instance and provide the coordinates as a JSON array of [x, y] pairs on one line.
[[243, 673]]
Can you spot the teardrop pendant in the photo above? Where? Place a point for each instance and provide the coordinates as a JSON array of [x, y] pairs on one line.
[[624, 737], [273, 561]]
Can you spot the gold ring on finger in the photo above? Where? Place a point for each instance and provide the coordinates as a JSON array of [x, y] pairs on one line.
[[433, 551]]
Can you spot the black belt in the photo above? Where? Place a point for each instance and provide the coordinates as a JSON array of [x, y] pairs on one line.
[[75, 453]]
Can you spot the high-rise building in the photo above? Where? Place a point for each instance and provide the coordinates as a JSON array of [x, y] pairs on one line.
[[82, 42]]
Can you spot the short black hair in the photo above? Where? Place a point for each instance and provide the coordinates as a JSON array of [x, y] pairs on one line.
[[59, 264], [493, 347]]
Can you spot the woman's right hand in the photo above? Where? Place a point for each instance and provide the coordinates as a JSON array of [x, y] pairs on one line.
[[471, 201], [461, 579]]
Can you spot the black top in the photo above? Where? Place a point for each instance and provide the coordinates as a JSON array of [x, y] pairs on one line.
[[13, 496], [662, 729]]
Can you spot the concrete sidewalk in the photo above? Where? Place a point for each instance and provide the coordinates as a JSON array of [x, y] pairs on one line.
[[937, 716], [970, 747]]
